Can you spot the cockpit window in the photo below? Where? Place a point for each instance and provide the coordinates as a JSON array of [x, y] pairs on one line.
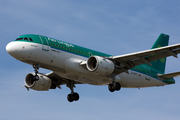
[[25, 38], [19, 39], [30, 39]]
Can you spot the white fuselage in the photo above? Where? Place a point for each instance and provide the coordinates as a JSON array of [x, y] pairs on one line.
[[67, 65]]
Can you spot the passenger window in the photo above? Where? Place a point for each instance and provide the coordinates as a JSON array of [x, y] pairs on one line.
[[26, 39], [19, 39], [30, 39]]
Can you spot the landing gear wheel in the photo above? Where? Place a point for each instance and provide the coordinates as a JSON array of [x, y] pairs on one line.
[[114, 86], [76, 96], [73, 97], [110, 87], [70, 98]]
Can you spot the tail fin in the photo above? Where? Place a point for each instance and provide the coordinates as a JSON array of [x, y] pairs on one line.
[[162, 40]]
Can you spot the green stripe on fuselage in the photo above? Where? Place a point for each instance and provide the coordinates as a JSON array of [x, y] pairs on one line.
[[65, 46]]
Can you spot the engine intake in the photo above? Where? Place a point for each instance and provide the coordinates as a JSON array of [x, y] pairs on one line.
[[100, 65], [43, 84]]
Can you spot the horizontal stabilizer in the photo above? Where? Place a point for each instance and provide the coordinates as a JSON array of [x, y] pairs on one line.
[[169, 75]]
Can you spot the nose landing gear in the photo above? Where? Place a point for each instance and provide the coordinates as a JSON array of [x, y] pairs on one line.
[[36, 68]]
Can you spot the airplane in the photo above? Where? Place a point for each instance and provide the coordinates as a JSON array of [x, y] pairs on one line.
[[71, 64]]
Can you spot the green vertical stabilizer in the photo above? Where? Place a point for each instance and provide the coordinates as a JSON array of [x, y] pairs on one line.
[[160, 64]]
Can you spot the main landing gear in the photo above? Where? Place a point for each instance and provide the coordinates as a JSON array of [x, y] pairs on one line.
[[36, 68], [114, 86], [73, 96]]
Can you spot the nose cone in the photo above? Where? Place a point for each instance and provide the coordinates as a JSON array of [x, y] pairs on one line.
[[10, 48]]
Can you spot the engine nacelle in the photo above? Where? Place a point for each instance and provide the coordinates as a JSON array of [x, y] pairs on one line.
[[100, 65], [43, 84]]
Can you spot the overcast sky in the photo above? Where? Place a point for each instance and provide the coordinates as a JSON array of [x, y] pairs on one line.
[[115, 27]]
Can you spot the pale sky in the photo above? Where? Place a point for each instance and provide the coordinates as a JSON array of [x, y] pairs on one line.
[[115, 27]]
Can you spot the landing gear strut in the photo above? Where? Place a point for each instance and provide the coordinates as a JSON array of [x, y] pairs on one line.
[[36, 68], [73, 96]]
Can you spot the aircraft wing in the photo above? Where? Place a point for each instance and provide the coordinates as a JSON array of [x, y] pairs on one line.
[[58, 80], [128, 61]]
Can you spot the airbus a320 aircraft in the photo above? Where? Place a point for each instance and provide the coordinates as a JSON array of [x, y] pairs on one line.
[[71, 64]]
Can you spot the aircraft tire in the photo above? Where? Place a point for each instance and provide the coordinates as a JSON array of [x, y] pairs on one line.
[[70, 98], [117, 86], [76, 96], [110, 87]]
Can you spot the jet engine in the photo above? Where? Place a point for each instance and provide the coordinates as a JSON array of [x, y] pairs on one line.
[[100, 65], [43, 84]]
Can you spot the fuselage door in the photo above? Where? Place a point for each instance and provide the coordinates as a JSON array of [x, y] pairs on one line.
[[45, 44]]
